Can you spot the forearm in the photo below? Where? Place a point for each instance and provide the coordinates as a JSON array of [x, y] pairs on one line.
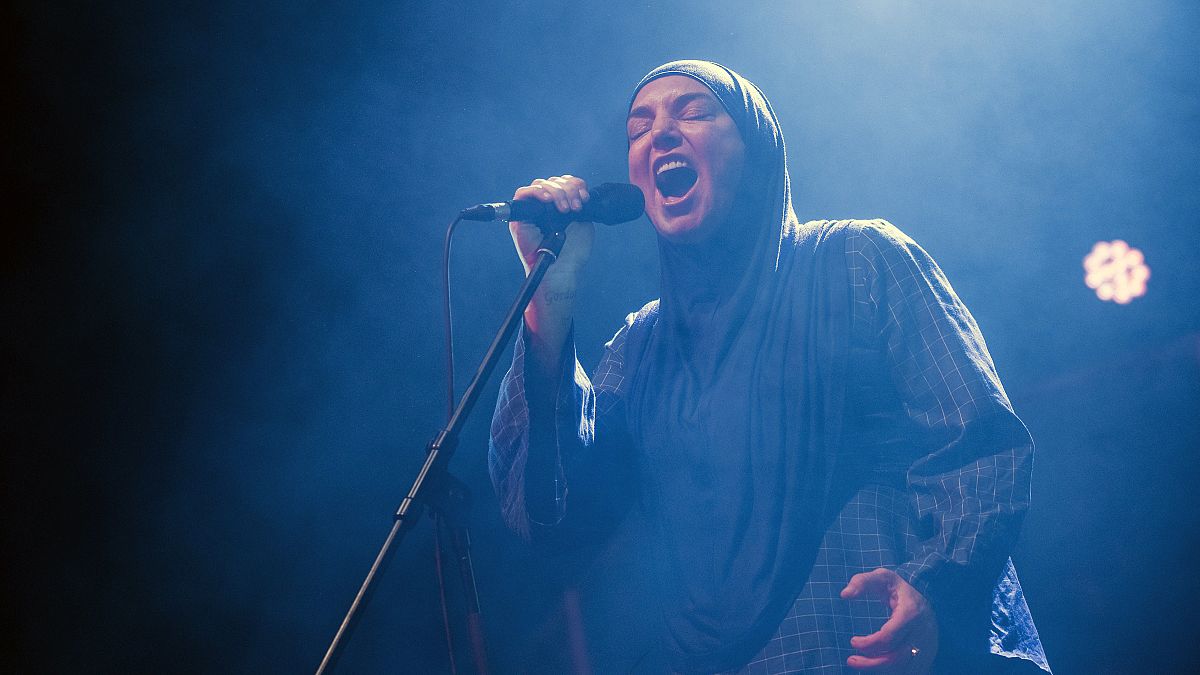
[[544, 372], [544, 452], [974, 494], [548, 323], [970, 483], [526, 454], [548, 326], [525, 449]]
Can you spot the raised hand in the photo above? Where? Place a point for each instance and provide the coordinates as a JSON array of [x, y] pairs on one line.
[[567, 193], [907, 642], [549, 314]]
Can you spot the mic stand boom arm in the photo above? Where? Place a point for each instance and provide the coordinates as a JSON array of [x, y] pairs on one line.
[[433, 480]]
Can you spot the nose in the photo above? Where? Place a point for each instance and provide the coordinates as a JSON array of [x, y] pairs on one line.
[[664, 135]]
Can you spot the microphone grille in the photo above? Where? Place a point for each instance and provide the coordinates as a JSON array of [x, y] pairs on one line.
[[614, 203]]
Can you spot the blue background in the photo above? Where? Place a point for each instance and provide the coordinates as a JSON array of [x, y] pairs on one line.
[[221, 296]]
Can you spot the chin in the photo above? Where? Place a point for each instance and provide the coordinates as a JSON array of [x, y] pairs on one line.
[[695, 227], [681, 231]]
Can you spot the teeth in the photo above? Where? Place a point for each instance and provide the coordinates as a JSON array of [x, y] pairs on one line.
[[673, 164]]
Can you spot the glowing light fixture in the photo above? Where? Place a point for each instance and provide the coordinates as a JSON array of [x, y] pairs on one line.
[[1116, 271]]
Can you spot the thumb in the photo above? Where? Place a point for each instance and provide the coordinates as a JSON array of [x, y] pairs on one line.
[[873, 583]]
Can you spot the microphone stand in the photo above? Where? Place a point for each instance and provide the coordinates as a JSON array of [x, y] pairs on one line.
[[453, 512], [434, 486]]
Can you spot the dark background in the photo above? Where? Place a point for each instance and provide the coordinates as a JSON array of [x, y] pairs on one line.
[[221, 326]]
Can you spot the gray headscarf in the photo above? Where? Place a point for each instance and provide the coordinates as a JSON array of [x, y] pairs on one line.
[[736, 400]]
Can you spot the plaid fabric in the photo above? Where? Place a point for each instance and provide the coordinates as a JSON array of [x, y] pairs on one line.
[[948, 469]]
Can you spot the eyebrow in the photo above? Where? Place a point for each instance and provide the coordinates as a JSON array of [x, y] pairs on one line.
[[681, 101]]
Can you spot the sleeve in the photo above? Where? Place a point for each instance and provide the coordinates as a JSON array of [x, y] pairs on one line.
[[970, 482], [548, 449]]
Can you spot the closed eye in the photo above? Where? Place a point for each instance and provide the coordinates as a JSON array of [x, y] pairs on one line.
[[697, 110]]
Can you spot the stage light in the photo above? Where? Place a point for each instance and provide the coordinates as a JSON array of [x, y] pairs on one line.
[[1116, 271]]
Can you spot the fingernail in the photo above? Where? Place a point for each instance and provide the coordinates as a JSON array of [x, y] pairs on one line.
[[577, 204]]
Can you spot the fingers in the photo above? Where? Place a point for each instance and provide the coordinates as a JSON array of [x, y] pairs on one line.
[[911, 625], [877, 663], [566, 192], [574, 188], [899, 662], [891, 635], [876, 584]]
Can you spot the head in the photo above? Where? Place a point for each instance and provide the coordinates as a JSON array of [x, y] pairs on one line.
[[686, 155], [699, 135]]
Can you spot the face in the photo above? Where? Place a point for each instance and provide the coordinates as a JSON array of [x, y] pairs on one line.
[[686, 155]]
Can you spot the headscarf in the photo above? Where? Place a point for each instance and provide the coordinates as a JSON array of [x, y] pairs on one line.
[[736, 400]]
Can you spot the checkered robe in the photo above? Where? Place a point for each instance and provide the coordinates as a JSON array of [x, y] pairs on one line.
[[943, 491]]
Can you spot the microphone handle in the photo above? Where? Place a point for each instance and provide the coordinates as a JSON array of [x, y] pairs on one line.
[[611, 203], [526, 210]]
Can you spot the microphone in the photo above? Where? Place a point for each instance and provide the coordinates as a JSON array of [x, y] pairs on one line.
[[610, 203]]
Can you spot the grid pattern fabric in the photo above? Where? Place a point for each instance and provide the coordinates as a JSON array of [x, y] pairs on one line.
[[963, 473], [815, 636]]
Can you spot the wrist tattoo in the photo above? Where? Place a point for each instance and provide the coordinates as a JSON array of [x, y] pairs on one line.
[[552, 297]]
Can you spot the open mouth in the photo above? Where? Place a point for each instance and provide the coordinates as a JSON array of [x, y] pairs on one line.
[[675, 179]]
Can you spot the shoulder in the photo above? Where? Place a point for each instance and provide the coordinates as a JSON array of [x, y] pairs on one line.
[[879, 236], [636, 324], [644, 318], [880, 260], [853, 236], [876, 233], [875, 245]]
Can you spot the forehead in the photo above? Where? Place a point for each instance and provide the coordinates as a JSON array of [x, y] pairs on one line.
[[667, 89]]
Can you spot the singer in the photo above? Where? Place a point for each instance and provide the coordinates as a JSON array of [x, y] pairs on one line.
[[808, 416]]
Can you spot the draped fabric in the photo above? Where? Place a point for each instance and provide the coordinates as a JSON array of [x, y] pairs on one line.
[[736, 399]]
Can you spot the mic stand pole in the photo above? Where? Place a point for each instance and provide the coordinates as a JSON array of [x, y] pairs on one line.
[[453, 512], [433, 481]]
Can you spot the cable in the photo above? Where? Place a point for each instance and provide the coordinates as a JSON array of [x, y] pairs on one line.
[[438, 567], [438, 524], [446, 313]]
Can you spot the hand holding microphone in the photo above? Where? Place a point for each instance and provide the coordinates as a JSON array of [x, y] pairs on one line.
[[560, 201], [548, 316], [611, 203], [567, 195]]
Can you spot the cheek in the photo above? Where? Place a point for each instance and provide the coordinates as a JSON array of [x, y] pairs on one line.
[[732, 163], [637, 167]]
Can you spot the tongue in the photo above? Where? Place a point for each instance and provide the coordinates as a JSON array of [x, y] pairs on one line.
[[675, 182]]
